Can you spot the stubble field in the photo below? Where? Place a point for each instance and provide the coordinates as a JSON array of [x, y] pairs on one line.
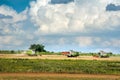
[[57, 57]]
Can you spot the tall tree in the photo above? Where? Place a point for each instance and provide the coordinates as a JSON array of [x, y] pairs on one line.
[[37, 48]]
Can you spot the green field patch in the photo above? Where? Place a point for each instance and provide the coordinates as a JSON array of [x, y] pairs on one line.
[[60, 66]]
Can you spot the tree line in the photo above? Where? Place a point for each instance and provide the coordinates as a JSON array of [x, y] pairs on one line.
[[10, 51]]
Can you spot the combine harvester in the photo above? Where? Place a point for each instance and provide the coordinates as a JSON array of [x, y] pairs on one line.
[[103, 54], [71, 53], [31, 53]]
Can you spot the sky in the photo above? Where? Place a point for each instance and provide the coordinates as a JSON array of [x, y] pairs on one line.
[[60, 25]]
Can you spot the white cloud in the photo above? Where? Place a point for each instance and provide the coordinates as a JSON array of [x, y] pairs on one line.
[[98, 42], [116, 42], [79, 16], [12, 25], [5, 39], [75, 18], [112, 43], [71, 24], [10, 40], [11, 28], [84, 41], [7, 11]]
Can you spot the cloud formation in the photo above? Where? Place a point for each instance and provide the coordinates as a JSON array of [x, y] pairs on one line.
[[74, 24], [3, 16], [11, 27], [61, 1], [75, 17]]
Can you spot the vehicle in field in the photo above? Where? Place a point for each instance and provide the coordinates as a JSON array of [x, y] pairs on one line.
[[31, 53], [102, 54], [70, 53]]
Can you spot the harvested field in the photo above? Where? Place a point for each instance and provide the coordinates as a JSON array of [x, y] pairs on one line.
[[58, 57], [24, 67]]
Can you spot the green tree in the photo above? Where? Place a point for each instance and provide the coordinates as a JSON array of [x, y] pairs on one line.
[[37, 48], [110, 53], [12, 51]]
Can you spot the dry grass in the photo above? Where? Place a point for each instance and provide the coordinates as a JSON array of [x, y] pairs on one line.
[[58, 57]]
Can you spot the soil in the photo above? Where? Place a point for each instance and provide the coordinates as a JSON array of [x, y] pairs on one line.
[[59, 75]]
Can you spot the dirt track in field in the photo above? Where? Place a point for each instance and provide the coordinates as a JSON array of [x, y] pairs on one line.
[[58, 57], [58, 75]]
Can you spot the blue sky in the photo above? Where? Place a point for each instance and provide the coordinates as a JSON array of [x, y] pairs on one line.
[[18, 5], [61, 25], [113, 7]]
